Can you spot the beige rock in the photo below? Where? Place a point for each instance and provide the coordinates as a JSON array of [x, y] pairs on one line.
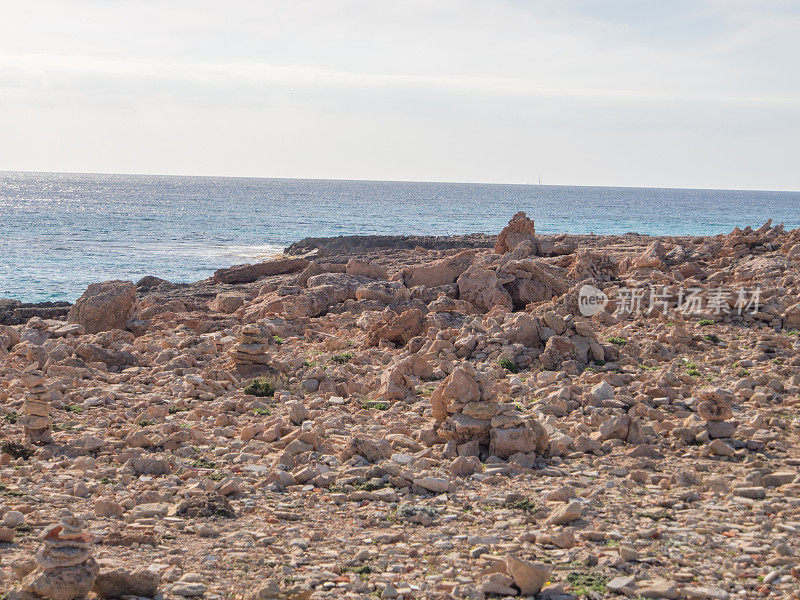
[[365, 269], [529, 577], [460, 387], [519, 229], [104, 306], [530, 438], [714, 404], [116, 580], [566, 513], [483, 287]]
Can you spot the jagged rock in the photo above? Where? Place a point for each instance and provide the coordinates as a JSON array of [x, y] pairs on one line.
[[565, 513], [396, 328], [373, 450], [104, 306], [529, 577], [530, 282], [483, 287], [519, 229], [227, 302], [397, 381], [558, 350], [458, 387], [364, 269], [530, 438], [652, 257], [522, 328], [714, 404], [208, 504], [437, 273]]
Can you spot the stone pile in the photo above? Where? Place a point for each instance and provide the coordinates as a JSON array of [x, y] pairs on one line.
[[251, 345], [36, 408], [714, 407], [65, 568], [474, 422]]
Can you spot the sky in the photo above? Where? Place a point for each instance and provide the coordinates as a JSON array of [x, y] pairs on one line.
[[701, 93]]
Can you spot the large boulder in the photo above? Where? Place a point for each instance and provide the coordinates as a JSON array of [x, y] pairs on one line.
[[791, 316], [116, 581], [714, 404], [532, 282], [396, 328], [365, 269], [398, 380], [104, 306], [530, 438], [522, 328], [458, 387], [559, 349], [519, 229], [483, 287], [437, 273]]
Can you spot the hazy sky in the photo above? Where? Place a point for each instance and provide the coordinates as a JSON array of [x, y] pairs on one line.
[[590, 92]]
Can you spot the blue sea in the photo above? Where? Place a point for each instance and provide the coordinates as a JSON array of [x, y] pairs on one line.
[[60, 232]]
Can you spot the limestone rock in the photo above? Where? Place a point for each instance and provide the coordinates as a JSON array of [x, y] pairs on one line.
[[714, 404], [396, 328], [483, 287], [104, 306], [116, 580], [65, 567], [519, 229], [566, 513], [530, 438], [458, 387], [529, 577], [252, 272]]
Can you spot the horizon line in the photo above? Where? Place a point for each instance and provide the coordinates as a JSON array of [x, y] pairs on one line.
[[420, 181]]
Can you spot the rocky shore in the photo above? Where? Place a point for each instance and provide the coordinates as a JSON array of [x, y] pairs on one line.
[[510, 416]]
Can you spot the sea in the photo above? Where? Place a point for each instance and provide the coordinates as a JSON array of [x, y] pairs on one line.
[[59, 231]]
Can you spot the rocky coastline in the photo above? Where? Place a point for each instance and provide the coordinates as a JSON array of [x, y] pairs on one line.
[[467, 417]]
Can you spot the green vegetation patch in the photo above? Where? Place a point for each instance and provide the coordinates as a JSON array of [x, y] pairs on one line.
[[617, 341], [509, 365], [582, 583], [260, 387], [375, 405], [342, 358]]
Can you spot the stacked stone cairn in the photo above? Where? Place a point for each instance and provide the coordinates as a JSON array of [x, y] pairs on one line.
[[474, 421], [251, 345], [65, 568], [36, 408]]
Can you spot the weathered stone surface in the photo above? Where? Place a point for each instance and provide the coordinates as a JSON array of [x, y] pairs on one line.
[[104, 306], [396, 328], [483, 287], [528, 577], [530, 438], [459, 387], [116, 580], [519, 229], [249, 273]]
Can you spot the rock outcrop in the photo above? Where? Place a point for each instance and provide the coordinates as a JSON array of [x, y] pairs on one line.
[[519, 229], [104, 306]]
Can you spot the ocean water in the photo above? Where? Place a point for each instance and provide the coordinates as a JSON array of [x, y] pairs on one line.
[[60, 232]]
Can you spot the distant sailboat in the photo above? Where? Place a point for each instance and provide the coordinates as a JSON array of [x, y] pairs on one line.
[[540, 181]]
